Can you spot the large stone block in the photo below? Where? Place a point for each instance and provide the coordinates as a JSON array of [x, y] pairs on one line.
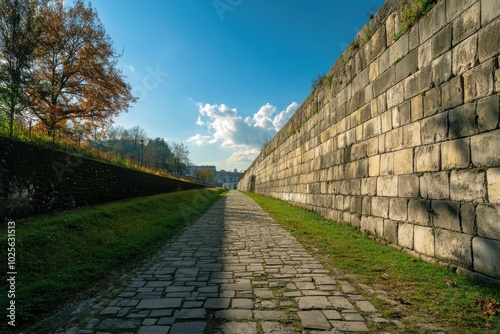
[[433, 21], [468, 185], [374, 165], [435, 128], [398, 209], [427, 158], [384, 81], [493, 179], [387, 164], [412, 135], [463, 121], [452, 93], [478, 82], [405, 235], [454, 8], [403, 161], [432, 101], [399, 49], [417, 108], [454, 246], [456, 154], [369, 186], [394, 139], [372, 225], [424, 240], [489, 40], [408, 186], [489, 11], [391, 231], [488, 115], [487, 219], [418, 212], [441, 68], [366, 208], [486, 256], [435, 185], [395, 95], [407, 66], [468, 217], [372, 127], [464, 55], [380, 207], [441, 42], [387, 186], [484, 149], [446, 214], [466, 24]]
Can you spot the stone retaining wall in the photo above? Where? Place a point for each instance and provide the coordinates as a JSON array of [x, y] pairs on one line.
[[35, 180], [402, 138]]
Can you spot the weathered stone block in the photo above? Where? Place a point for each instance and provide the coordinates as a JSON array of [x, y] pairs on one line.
[[424, 54], [387, 164], [484, 149], [418, 82], [380, 207], [407, 66], [384, 81], [374, 165], [478, 82], [446, 214], [391, 231], [417, 108], [466, 24], [463, 121], [468, 217], [432, 101], [452, 93], [398, 209], [441, 42], [386, 119], [395, 95], [403, 161], [489, 11], [369, 186], [366, 206], [488, 115], [427, 158], [394, 139], [493, 178], [455, 154], [487, 220], [405, 235], [441, 69], [486, 256], [435, 128], [408, 186], [424, 240], [433, 21], [467, 185], [435, 185], [405, 113], [464, 55], [454, 246], [387, 186], [418, 212], [456, 7], [489, 40], [372, 127], [412, 135], [399, 49]]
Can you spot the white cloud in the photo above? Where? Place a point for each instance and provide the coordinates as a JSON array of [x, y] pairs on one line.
[[244, 137]]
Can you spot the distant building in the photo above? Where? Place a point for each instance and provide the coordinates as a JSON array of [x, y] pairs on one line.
[[228, 180]]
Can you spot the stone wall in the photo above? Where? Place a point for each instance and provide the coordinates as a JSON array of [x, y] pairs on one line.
[[35, 180], [402, 137]]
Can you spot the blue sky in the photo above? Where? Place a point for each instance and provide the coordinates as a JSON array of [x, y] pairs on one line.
[[223, 76]]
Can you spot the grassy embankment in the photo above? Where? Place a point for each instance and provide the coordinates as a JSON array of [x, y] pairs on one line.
[[416, 291], [70, 256]]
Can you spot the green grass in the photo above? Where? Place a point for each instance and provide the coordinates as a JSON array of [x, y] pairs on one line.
[[420, 284], [63, 258]]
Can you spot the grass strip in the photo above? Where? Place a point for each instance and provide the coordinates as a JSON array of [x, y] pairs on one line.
[[419, 292], [62, 258]]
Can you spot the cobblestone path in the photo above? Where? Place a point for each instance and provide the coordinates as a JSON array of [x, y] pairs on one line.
[[233, 271]]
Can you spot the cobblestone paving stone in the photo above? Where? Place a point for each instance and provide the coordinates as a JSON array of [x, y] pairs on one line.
[[235, 270]]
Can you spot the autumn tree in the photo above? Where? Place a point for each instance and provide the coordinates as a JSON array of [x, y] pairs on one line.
[[75, 71], [20, 31], [179, 160]]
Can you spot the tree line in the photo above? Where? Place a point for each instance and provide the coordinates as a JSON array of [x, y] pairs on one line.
[[58, 69]]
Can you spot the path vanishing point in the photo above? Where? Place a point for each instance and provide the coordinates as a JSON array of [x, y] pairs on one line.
[[235, 270]]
